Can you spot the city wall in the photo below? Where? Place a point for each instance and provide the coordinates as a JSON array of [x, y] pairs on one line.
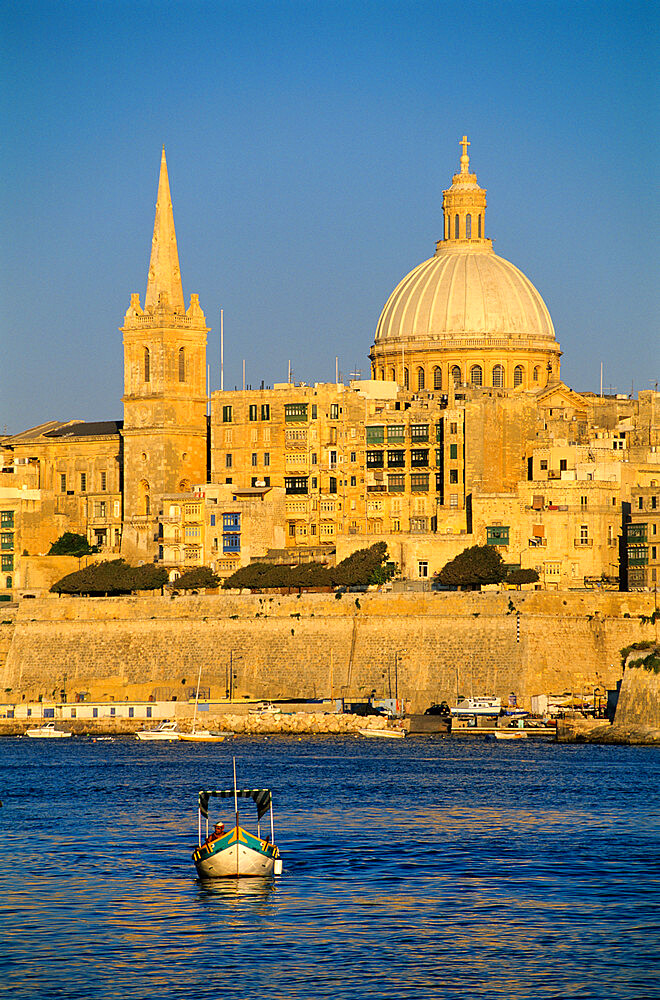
[[428, 647]]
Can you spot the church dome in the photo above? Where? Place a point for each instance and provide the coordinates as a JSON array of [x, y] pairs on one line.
[[464, 291], [465, 315]]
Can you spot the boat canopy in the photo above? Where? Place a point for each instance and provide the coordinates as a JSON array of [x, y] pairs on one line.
[[260, 796]]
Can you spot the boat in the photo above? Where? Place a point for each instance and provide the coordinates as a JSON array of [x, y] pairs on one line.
[[265, 708], [484, 705], [166, 731], [47, 732], [510, 734], [236, 852], [200, 735], [390, 734]]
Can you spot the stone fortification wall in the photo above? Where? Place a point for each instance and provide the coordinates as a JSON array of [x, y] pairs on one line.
[[316, 645], [639, 697]]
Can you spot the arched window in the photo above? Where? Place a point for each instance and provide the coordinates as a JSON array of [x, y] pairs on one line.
[[456, 230], [468, 226], [420, 379], [437, 377], [9, 583], [456, 374], [147, 504], [182, 364], [517, 376], [147, 365], [382, 374], [479, 226], [498, 377], [184, 486], [144, 502], [536, 373], [392, 375], [447, 226], [476, 375], [406, 379]]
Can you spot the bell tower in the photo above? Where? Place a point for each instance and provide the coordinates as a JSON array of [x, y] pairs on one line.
[[164, 399]]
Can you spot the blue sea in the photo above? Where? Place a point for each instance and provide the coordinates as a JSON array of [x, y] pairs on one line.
[[425, 867]]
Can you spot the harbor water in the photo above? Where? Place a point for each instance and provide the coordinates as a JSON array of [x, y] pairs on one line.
[[424, 867]]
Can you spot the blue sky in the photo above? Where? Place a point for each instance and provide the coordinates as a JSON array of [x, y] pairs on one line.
[[308, 145]]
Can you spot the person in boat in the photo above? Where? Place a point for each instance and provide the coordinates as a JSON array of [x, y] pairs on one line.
[[218, 831]]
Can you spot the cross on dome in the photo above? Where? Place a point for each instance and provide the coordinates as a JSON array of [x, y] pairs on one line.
[[465, 159]]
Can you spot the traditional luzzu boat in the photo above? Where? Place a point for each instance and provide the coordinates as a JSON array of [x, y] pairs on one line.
[[236, 852]]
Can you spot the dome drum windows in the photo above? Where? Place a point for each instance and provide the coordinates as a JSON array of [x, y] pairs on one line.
[[456, 227], [437, 377], [420, 379], [498, 377], [517, 376], [476, 375], [182, 364], [468, 226], [455, 374], [147, 365]]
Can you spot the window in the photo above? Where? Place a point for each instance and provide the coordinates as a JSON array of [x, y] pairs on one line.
[[334, 411], [438, 457], [423, 566], [420, 379], [563, 464], [396, 484], [396, 432], [7, 563], [295, 484], [536, 373], [266, 459], [654, 503], [498, 377], [584, 534], [375, 435], [406, 379], [266, 480], [497, 535], [315, 411], [229, 460], [83, 482], [226, 415], [583, 501], [295, 412], [640, 503], [231, 543], [419, 482], [476, 375], [104, 482], [353, 481], [314, 482], [7, 519], [265, 411], [517, 376], [231, 521], [396, 459], [255, 459], [453, 476], [456, 374], [62, 482], [100, 509], [453, 451], [7, 540], [252, 412], [437, 378], [213, 520], [314, 458], [147, 365], [544, 465], [438, 482], [468, 226], [182, 364], [375, 459], [456, 227], [419, 458], [453, 499], [419, 432], [353, 456], [453, 428]]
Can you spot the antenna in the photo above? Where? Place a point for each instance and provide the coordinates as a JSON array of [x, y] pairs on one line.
[[222, 352]]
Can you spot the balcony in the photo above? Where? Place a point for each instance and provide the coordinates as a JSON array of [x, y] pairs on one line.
[[583, 543]]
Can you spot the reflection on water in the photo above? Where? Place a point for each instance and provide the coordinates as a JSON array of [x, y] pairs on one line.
[[423, 869]]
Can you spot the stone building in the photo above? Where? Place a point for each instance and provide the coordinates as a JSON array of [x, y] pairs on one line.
[[464, 435]]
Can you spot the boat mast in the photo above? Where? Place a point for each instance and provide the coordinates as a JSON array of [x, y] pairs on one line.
[[235, 795], [199, 677], [272, 830]]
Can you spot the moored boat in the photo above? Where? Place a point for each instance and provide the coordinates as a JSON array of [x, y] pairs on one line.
[[166, 731], [47, 732], [201, 736], [265, 708], [510, 734], [236, 852], [388, 734], [484, 705]]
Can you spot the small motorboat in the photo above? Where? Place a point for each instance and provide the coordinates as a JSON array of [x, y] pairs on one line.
[[265, 708], [485, 705], [201, 736], [167, 731], [510, 734], [236, 852], [388, 734], [47, 732]]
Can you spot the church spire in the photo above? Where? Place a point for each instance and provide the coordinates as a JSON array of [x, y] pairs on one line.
[[164, 273]]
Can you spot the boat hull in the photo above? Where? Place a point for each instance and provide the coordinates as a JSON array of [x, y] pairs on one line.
[[236, 854], [160, 737], [200, 738], [387, 734], [53, 734], [502, 734]]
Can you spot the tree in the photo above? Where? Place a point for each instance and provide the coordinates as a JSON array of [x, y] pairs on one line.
[[196, 579], [359, 569], [71, 544], [519, 576], [111, 577], [478, 565]]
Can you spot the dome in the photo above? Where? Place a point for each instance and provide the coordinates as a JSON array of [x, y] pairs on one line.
[[465, 315], [464, 292]]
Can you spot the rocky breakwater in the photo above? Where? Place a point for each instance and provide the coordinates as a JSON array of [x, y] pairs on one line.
[[299, 724]]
